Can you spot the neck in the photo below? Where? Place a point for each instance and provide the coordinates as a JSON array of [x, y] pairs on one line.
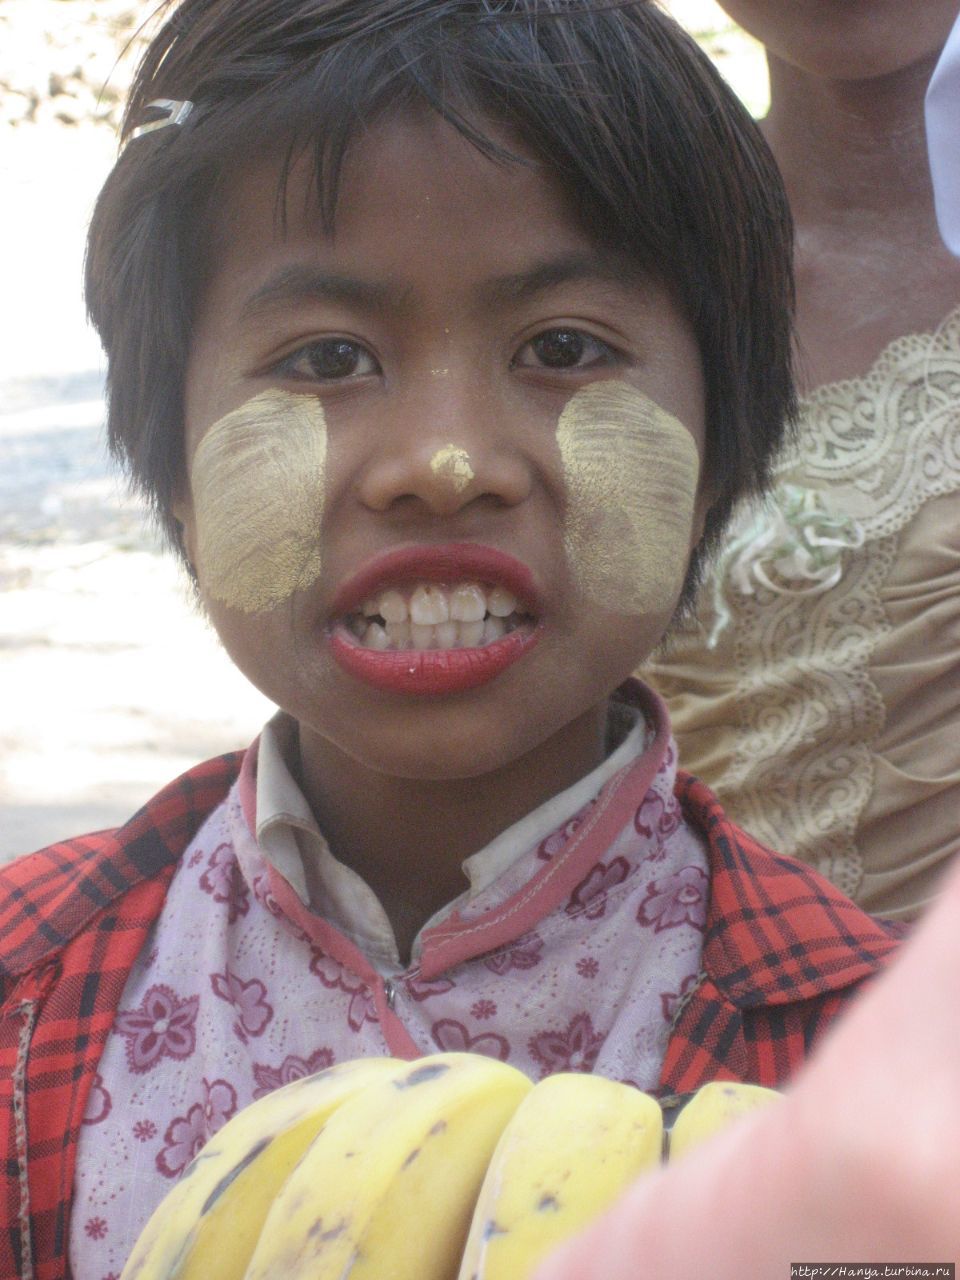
[[871, 265], [407, 837], [853, 152]]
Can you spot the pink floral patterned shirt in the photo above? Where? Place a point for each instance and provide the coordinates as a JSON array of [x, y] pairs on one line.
[[579, 934]]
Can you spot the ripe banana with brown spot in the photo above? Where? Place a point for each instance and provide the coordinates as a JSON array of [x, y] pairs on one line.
[[206, 1227], [452, 1165], [571, 1147], [713, 1107], [387, 1189]]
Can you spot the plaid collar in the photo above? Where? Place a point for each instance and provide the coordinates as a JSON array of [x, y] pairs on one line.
[[777, 932], [49, 897]]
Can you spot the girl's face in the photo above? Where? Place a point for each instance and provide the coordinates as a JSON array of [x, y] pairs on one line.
[[443, 464], [847, 39]]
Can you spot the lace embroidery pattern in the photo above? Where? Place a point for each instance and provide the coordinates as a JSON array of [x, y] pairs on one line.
[[887, 443], [797, 609]]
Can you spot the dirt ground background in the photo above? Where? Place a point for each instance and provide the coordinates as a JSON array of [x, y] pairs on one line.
[[110, 682]]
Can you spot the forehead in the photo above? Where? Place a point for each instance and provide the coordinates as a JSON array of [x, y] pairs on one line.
[[418, 206]]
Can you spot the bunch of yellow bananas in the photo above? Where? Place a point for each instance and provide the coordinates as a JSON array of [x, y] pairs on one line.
[[452, 1167]]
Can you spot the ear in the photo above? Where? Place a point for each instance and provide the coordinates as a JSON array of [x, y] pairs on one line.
[[708, 492], [182, 514]]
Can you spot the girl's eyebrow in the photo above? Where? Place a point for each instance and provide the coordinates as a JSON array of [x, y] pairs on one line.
[[598, 265], [299, 283]]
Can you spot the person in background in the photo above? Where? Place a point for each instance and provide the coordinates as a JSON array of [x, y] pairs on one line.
[[819, 691]]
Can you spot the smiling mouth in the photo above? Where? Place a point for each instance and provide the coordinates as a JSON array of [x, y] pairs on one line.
[[435, 620], [430, 616]]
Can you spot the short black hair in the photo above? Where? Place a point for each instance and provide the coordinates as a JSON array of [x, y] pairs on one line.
[[657, 156]]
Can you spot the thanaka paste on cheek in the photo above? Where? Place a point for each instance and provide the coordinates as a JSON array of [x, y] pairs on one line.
[[631, 472], [257, 479], [452, 463]]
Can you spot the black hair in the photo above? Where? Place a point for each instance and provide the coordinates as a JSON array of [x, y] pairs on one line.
[[656, 154]]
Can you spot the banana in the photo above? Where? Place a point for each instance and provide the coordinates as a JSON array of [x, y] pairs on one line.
[[571, 1147], [711, 1109], [388, 1187], [207, 1225], [451, 1165]]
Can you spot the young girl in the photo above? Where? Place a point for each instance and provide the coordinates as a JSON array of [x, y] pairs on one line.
[[443, 336]]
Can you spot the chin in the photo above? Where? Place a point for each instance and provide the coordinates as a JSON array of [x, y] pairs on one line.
[[435, 757]]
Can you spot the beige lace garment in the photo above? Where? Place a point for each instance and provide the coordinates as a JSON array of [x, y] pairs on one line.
[[819, 693]]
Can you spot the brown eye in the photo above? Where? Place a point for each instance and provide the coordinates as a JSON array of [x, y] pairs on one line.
[[334, 359], [562, 349], [329, 360], [559, 348]]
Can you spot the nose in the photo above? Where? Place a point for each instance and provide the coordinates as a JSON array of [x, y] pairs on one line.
[[440, 454]]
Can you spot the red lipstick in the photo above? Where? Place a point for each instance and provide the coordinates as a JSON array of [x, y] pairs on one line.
[[431, 671], [434, 671]]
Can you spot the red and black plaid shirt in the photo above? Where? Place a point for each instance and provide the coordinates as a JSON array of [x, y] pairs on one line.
[[783, 952]]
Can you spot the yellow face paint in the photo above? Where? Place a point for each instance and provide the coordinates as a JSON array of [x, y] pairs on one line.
[[631, 474], [453, 464], [257, 479]]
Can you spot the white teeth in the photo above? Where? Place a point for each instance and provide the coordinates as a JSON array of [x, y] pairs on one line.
[[421, 635], [432, 616], [428, 606], [493, 629], [398, 634], [447, 636], [393, 607], [471, 634], [468, 603], [375, 637], [501, 603]]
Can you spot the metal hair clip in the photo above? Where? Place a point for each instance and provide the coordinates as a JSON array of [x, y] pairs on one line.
[[176, 113]]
